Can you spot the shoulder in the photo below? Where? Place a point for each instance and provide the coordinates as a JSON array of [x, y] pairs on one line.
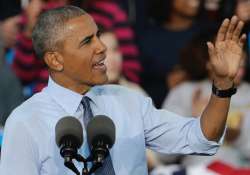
[[117, 94], [116, 90], [133, 86], [123, 99], [29, 109]]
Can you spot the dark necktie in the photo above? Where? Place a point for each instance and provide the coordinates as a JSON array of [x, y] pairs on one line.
[[107, 168]]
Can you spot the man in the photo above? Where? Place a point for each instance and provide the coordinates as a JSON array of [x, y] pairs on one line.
[[67, 39], [10, 98]]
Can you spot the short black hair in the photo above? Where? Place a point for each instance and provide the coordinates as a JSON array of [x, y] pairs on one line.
[[48, 29]]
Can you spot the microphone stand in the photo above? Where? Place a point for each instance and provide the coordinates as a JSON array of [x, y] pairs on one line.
[[97, 160], [85, 170]]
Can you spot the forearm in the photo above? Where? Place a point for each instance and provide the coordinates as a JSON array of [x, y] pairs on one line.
[[226, 55], [213, 119]]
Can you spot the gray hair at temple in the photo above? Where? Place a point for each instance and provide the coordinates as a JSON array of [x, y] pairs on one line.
[[47, 33]]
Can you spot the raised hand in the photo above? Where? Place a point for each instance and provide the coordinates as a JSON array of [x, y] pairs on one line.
[[226, 53]]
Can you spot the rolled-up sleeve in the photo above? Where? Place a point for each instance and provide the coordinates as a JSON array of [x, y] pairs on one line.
[[169, 133]]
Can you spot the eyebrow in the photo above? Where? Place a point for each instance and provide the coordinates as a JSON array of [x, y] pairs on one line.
[[88, 38]]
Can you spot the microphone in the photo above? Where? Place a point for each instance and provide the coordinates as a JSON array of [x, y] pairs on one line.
[[69, 138], [101, 137]]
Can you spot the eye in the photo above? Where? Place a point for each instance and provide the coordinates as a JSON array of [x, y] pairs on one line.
[[99, 33], [87, 41]]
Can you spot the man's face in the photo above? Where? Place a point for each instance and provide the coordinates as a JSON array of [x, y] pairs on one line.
[[83, 53]]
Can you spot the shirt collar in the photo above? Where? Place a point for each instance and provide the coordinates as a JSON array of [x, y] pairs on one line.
[[66, 98]]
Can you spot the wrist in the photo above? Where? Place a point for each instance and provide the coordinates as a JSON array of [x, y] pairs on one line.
[[224, 91], [223, 84]]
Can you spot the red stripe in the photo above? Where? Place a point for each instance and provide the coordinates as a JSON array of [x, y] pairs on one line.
[[23, 20], [124, 33], [109, 7], [39, 87], [132, 76], [26, 59], [112, 8], [24, 75], [129, 50], [24, 41], [132, 64], [107, 23], [44, 74], [120, 16]]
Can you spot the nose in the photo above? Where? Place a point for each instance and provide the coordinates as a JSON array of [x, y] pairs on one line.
[[100, 46]]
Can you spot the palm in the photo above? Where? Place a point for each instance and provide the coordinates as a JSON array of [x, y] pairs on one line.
[[226, 55]]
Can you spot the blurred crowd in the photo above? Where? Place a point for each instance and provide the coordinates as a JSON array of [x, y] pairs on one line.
[[156, 47]]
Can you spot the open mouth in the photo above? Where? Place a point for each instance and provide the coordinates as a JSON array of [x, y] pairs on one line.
[[100, 65]]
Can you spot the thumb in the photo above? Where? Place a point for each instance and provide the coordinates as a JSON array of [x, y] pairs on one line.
[[211, 50]]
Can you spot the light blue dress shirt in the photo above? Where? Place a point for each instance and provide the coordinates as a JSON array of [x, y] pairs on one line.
[[29, 146]]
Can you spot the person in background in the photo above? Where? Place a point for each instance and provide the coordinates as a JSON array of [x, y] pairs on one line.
[[137, 13], [190, 98], [9, 19], [10, 88], [31, 71], [114, 61], [175, 21], [11, 94], [9, 31], [242, 9]]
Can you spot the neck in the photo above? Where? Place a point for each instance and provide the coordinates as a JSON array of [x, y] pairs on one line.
[[69, 84], [114, 81], [179, 22]]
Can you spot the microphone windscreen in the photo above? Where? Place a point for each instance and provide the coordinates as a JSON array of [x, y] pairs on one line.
[[101, 127], [69, 127]]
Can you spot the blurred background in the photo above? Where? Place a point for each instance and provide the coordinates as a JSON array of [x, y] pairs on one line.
[[156, 47]]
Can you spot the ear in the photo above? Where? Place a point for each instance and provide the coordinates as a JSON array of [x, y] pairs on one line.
[[54, 60]]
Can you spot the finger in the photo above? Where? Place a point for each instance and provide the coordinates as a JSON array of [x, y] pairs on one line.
[[222, 30], [237, 31], [211, 50], [242, 40], [232, 25]]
